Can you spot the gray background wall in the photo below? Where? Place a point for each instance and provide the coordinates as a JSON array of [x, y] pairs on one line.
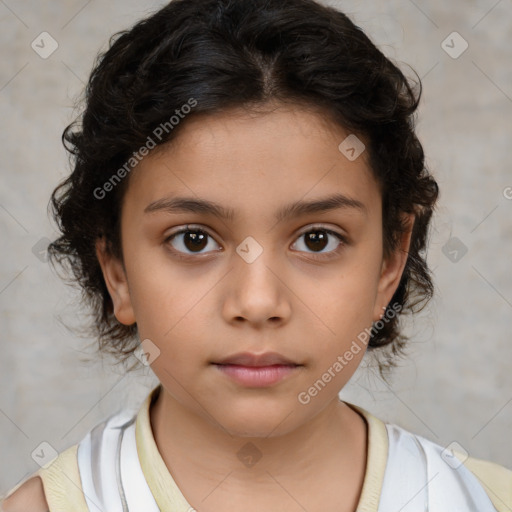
[[456, 383]]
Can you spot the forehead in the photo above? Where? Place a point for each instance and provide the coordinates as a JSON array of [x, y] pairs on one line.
[[241, 158]]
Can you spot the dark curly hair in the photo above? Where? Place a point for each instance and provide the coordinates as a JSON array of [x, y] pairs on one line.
[[229, 54]]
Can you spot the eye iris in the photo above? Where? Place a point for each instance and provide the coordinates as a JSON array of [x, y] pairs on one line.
[[316, 240], [195, 240]]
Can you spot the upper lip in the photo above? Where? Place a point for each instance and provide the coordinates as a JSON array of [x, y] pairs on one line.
[[250, 359]]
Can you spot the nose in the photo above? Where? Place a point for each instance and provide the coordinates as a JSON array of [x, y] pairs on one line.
[[257, 293]]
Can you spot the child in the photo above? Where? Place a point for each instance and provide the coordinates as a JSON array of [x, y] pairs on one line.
[[249, 206]]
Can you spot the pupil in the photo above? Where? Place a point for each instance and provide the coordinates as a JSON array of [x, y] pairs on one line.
[[315, 242], [195, 240]]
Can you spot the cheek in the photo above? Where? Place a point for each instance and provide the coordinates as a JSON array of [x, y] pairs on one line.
[[345, 309], [347, 300], [164, 295], [173, 324], [172, 312]]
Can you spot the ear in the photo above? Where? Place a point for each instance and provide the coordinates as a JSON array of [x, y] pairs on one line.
[[392, 270], [116, 282]]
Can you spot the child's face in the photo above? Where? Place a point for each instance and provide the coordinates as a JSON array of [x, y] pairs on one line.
[[200, 300]]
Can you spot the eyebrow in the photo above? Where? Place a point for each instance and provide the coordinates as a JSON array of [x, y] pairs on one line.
[[297, 208]]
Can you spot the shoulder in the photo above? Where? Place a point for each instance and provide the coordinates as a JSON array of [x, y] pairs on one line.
[[28, 497], [495, 479], [55, 486], [58, 485], [449, 470]]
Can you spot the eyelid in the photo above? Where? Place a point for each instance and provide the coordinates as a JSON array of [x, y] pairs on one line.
[[190, 227], [308, 228], [324, 227]]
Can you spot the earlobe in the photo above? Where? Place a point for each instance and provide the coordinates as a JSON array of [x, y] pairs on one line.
[[116, 282], [392, 270]]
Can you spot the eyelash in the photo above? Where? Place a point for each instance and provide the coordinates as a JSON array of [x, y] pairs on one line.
[[312, 255]]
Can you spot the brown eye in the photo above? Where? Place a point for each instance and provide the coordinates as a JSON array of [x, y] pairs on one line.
[[195, 240], [190, 241], [317, 240]]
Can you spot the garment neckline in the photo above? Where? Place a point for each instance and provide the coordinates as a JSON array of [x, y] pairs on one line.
[[168, 496]]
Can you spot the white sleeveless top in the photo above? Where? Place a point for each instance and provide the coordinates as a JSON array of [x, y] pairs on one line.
[[416, 478], [110, 471]]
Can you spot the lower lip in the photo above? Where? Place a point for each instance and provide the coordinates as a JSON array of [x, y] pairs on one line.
[[257, 376]]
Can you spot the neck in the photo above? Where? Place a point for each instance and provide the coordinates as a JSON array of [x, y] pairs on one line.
[[196, 450]]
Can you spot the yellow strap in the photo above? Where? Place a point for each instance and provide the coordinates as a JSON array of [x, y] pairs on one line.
[[496, 480], [161, 483], [62, 485], [375, 461]]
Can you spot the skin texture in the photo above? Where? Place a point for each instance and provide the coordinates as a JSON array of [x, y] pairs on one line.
[[30, 496], [214, 304]]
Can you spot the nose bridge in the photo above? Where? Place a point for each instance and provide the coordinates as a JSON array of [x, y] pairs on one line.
[[254, 261], [256, 293]]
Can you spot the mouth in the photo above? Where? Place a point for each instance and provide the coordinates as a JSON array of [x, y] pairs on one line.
[[257, 360], [257, 370], [257, 376]]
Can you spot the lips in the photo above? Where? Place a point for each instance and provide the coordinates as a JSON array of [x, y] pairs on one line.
[[257, 370], [257, 360]]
